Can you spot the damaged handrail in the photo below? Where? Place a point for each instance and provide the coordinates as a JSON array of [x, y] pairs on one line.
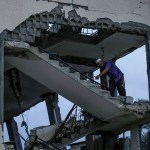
[[55, 56]]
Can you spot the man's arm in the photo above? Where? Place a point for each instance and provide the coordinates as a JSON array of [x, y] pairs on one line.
[[102, 73]]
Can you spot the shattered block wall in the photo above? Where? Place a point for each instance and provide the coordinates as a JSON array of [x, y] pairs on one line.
[[12, 13]]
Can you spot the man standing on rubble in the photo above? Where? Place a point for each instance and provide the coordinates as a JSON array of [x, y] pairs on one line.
[[116, 77]]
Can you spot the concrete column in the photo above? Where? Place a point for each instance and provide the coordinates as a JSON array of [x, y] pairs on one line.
[[94, 142], [1, 78], [109, 141], [13, 133], [98, 144], [53, 108], [90, 142], [148, 59], [135, 138]]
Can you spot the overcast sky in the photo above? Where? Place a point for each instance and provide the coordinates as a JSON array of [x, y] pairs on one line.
[[134, 68], [135, 71]]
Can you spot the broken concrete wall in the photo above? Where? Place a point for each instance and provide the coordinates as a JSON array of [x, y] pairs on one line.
[[121, 10], [12, 13]]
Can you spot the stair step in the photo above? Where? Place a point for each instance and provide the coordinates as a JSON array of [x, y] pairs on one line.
[[38, 53], [61, 64], [55, 63], [45, 56], [86, 83], [65, 69], [126, 99], [101, 92], [75, 75]]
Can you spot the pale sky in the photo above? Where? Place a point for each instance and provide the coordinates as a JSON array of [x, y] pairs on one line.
[[134, 68]]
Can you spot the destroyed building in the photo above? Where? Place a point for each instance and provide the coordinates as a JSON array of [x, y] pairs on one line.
[[50, 47]]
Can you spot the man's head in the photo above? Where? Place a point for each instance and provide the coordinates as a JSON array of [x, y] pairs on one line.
[[99, 62]]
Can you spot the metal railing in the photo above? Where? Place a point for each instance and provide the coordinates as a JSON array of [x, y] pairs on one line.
[[55, 56]]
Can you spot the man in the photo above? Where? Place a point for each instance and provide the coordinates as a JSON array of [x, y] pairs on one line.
[[115, 75]]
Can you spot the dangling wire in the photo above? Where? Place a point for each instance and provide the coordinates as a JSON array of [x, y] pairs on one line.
[[14, 80]]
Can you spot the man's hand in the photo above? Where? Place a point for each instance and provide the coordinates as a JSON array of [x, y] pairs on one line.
[[97, 77]]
